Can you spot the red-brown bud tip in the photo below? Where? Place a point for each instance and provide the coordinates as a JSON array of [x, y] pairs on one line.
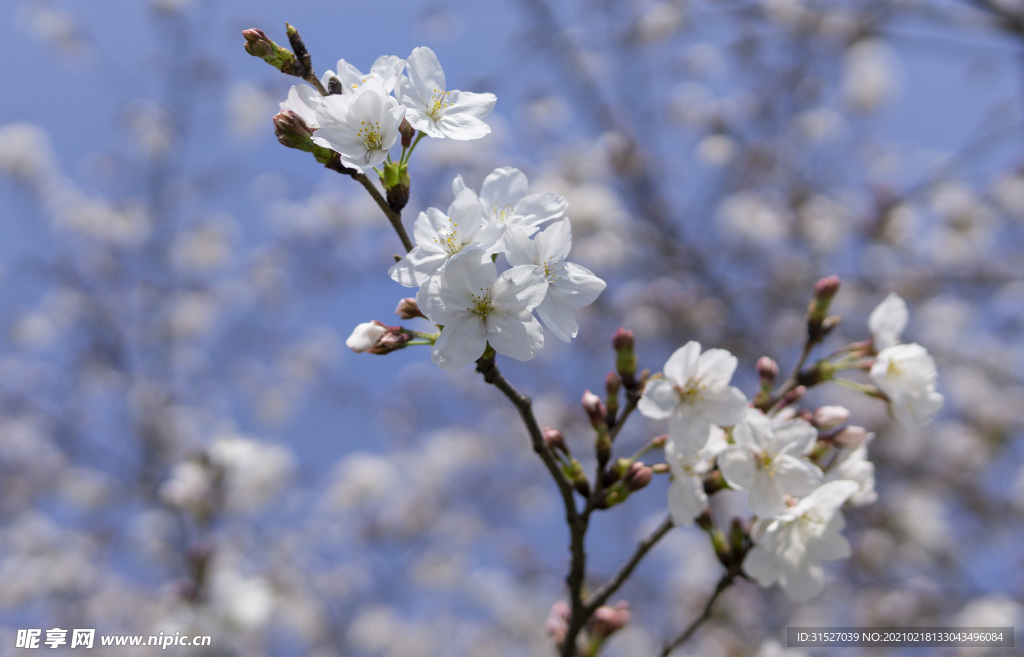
[[826, 288], [768, 370], [555, 440], [638, 476], [622, 339], [608, 620], [408, 308], [851, 437]]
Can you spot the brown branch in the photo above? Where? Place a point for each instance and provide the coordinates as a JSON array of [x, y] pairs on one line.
[[394, 216]]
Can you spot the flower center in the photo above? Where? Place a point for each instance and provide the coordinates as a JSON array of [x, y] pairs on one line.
[[450, 240], [438, 103], [501, 213], [481, 304], [693, 391], [371, 135], [552, 271]]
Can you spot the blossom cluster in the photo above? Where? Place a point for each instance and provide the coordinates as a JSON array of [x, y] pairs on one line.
[[454, 264], [361, 121], [799, 468]]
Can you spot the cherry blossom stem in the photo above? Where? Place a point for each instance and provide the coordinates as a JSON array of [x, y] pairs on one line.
[[643, 547], [393, 215], [727, 579]]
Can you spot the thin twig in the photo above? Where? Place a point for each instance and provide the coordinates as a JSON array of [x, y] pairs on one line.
[[643, 547], [394, 217], [723, 583]]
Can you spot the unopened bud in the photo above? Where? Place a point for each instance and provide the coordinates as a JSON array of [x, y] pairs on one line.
[[608, 620], [826, 288], [767, 370], [407, 131], [851, 437], [292, 131], [408, 309], [555, 441], [365, 336], [638, 476], [573, 471], [596, 411], [258, 45], [558, 621], [625, 356], [830, 417], [817, 310], [393, 340], [612, 383]]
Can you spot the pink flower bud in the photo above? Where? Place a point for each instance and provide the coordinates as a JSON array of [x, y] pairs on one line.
[[408, 309], [558, 621], [826, 288], [830, 417], [622, 340], [851, 437], [595, 409], [768, 370], [638, 476], [555, 440], [608, 620]]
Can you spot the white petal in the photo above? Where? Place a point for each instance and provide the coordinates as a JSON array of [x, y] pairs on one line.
[[559, 315], [519, 248], [535, 209], [463, 120], [795, 476], [417, 266], [723, 407], [738, 466], [555, 241], [461, 342], [503, 186], [659, 399], [794, 436], [519, 337], [761, 564], [887, 321], [805, 583], [682, 365], [425, 73], [580, 284], [466, 275], [829, 547], [520, 288], [764, 497], [686, 499], [716, 367], [687, 429]]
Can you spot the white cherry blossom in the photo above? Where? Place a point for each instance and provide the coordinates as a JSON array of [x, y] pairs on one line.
[[853, 465], [436, 111], [360, 126], [440, 236], [570, 286], [504, 198], [477, 307], [303, 100], [767, 460], [789, 549], [686, 496], [387, 69], [694, 394], [906, 373], [887, 322]]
